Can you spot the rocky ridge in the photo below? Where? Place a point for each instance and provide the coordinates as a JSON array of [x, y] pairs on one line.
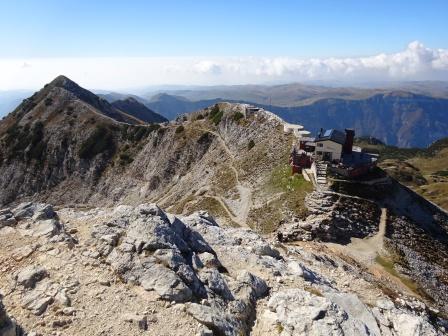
[[139, 270], [58, 147], [333, 218]]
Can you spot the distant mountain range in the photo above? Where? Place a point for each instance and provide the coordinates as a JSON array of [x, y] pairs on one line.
[[410, 114], [171, 106], [137, 109], [10, 99], [396, 118]]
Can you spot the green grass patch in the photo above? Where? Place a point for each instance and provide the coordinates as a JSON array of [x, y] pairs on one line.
[[180, 129], [443, 173], [237, 116], [279, 328], [26, 142], [136, 133], [250, 145], [216, 114], [282, 179], [389, 265], [290, 191], [125, 159]]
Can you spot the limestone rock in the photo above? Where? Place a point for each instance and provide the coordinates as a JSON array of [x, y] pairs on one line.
[[7, 218], [299, 313], [166, 283], [46, 228], [257, 284], [139, 320], [214, 319], [36, 211], [30, 275]]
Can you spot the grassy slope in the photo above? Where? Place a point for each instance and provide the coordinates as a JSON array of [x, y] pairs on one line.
[[423, 170], [288, 196]]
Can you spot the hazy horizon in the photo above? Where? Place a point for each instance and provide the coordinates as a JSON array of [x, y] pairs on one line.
[[124, 46]]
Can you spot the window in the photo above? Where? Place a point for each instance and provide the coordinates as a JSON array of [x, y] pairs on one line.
[[320, 144]]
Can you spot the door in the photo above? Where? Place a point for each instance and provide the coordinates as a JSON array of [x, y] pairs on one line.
[[327, 156]]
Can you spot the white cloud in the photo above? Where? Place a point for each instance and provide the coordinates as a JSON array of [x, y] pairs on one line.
[[416, 62]]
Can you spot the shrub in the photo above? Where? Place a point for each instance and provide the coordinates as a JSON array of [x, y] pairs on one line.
[[38, 146], [136, 133], [443, 173], [237, 116], [140, 132], [125, 159], [161, 131], [101, 140], [22, 138], [216, 114], [250, 145], [48, 101], [12, 134], [180, 129], [200, 117]]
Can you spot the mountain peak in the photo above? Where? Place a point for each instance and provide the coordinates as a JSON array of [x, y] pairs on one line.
[[61, 80], [66, 83], [163, 96]]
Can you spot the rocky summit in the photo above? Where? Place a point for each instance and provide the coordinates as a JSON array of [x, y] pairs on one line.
[[112, 224]]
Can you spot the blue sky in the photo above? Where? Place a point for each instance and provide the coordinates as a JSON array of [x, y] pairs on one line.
[[121, 44], [50, 28]]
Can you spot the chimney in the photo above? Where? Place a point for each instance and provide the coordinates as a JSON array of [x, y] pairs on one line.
[[349, 137]]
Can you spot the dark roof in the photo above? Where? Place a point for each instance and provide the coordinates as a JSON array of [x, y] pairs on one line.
[[356, 159], [332, 135]]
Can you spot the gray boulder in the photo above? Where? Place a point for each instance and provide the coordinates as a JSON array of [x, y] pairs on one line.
[[301, 313], [353, 305], [37, 302], [24, 210], [217, 284], [219, 322], [166, 284], [169, 258], [46, 228], [30, 275], [36, 211], [7, 218], [258, 285], [43, 211]]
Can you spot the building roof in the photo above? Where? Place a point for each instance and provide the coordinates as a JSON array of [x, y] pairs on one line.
[[356, 159], [302, 139], [332, 135]]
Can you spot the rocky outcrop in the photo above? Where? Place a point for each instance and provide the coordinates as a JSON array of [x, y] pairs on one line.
[[141, 269], [297, 312], [333, 218], [164, 254]]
